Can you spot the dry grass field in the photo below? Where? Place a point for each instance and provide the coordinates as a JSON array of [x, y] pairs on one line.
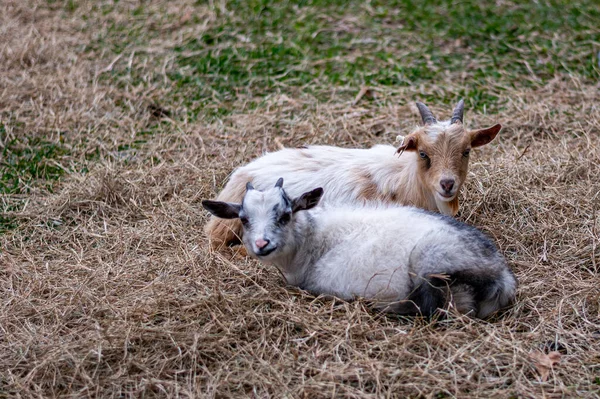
[[118, 117]]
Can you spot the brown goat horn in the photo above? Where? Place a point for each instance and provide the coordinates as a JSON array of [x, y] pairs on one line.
[[426, 114], [457, 115]]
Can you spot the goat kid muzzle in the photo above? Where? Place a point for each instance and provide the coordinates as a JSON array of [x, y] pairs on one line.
[[263, 247]]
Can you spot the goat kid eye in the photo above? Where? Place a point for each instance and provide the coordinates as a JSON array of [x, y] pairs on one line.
[[466, 153], [284, 218], [244, 220], [423, 155]]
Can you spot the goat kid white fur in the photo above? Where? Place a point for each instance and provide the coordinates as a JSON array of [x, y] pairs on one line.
[[407, 260], [427, 171]]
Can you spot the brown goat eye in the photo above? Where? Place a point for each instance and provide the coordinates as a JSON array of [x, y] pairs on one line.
[[466, 153], [423, 155]]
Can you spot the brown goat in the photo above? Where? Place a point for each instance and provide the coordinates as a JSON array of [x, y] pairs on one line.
[[427, 171]]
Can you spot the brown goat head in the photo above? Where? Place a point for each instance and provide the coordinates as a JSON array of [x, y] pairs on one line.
[[442, 150]]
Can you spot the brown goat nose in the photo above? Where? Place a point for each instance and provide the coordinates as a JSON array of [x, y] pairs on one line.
[[260, 243], [447, 184]]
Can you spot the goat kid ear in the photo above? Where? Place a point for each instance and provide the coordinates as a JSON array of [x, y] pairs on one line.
[[409, 143], [484, 136], [307, 200], [223, 210]]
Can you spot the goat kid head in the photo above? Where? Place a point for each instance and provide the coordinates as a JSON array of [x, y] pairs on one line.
[[267, 217], [443, 150]]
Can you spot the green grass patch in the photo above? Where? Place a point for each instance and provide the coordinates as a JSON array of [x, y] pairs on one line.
[[255, 48], [29, 160], [7, 223], [264, 46], [25, 163]]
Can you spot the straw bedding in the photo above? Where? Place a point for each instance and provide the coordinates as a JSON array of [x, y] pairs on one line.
[[108, 288]]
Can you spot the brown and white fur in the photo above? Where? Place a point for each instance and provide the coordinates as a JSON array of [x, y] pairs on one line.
[[426, 171]]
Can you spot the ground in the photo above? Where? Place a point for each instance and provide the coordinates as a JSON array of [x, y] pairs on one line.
[[118, 117]]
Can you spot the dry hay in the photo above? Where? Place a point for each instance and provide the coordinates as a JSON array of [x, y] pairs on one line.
[[108, 287]]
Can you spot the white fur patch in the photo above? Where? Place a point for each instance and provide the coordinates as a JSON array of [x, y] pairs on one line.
[[435, 130]]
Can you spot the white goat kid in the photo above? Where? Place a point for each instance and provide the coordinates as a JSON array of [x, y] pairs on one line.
[[407, 260], [428, 174]]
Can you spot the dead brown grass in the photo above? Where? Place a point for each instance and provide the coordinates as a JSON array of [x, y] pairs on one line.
[[108, 288]]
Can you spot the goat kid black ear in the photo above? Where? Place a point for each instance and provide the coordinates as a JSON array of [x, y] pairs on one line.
[[223, 210], [307, 200], [279, 182]]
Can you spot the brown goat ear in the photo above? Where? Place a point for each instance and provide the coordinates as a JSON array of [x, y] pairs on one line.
[[483, 136], [409, 143]]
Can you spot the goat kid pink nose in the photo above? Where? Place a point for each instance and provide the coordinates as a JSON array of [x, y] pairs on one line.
[[260, 243]]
